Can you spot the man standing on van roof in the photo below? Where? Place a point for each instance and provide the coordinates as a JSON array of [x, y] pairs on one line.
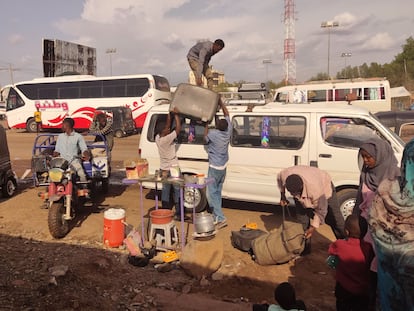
[[199, 57], [315, 199], [218, 140]]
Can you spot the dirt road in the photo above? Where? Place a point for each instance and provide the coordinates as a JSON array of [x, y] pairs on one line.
[[101, 279]]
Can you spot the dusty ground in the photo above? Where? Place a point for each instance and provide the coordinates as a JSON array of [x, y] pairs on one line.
[[101, 279]]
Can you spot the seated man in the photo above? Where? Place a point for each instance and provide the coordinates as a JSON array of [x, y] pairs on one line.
[[102, 126], [69, 145]]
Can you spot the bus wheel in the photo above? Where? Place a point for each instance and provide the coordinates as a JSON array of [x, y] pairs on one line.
[[31, 125]]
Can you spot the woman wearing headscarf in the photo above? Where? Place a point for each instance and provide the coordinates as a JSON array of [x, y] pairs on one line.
[[391, 220], [377, 162]]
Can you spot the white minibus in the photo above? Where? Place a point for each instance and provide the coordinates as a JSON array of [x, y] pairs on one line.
[[77, 96], [272, 137], [372, 94]]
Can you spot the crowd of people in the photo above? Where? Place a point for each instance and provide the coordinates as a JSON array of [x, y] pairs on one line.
[[373, 256]]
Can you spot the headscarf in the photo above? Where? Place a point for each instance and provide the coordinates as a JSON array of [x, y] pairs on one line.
[[386, 167], [386, 164]]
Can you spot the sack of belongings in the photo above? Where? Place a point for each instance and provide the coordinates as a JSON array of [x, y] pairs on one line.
[[280, 245]]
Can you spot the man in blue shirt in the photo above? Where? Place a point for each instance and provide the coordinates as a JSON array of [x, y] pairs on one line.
[[69, 145], [218, 140], [198, 58]]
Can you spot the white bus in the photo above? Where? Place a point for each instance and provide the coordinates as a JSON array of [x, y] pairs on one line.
[[77, 96], [371, 94]]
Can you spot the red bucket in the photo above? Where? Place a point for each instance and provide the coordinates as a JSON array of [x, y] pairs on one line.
[[114, 228], [161, 216]]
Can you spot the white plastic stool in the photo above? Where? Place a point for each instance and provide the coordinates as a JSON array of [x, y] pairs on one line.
[[166, 235]]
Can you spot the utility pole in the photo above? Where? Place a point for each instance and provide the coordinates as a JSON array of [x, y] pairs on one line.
[[10, 69]]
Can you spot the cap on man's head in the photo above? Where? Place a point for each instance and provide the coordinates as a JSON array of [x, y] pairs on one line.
[[220, 43], [294, 184]]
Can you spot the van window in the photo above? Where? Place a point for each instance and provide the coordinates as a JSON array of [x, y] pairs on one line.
[[192, 132], [347, 132], [273, 132]]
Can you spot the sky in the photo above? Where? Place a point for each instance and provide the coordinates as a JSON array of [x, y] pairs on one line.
[[155, 36]]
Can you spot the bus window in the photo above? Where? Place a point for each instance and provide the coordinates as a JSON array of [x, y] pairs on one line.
[[91, 89], [161, 84], [317, 95], [113, 88], [137, 87], [68, 90], [340, 94], [13, 100]]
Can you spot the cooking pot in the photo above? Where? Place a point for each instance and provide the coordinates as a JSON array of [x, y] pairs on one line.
[[204, 222]]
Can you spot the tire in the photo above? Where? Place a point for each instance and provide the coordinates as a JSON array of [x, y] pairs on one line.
[[58, 226], [105, 185], [346, 199], [119, 134], [8, 188], [31, 125], [195, 198]]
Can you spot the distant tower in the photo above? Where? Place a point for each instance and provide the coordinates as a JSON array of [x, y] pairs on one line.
[[289, 46]]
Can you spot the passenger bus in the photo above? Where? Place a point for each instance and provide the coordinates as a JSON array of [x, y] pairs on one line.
[[372, 94], [77, 96]]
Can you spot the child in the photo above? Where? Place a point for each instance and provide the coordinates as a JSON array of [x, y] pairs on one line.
[[354, 257], [285, 296]]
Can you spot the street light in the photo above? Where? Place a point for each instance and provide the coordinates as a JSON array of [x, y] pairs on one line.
[[345, 55], [266, 62], [110, 52], [329, 25]]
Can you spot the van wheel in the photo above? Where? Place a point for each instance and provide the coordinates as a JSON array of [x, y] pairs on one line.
[[195, 198], [346, 199], [8, 188], [31, 125], [119, 134]]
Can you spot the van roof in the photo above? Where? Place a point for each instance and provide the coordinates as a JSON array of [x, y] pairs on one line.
[[276, 107]]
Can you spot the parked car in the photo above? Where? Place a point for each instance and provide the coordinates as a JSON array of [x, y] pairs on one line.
[[122, 121], [268, 138], [8, 179], [401, 122]]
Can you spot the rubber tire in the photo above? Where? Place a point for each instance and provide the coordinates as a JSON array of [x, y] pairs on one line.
[[31, 125], [195, 198], [105, 185], [119, 134], [8, 188], [346, 200], [58, 227]]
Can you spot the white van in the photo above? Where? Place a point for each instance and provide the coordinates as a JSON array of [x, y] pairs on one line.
[[270, 138]]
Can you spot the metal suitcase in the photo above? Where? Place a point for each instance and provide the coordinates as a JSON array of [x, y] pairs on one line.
[[195, 102]]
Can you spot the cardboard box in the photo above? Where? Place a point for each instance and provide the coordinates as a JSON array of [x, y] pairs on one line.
[[136, 168]]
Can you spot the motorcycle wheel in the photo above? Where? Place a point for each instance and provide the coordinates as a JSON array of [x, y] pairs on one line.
[[58, 226]]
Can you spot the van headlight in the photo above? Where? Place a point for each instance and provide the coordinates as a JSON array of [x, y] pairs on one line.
[[55, 174]]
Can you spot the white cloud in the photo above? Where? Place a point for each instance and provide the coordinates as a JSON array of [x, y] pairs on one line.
[[380, 41], [15, 39]]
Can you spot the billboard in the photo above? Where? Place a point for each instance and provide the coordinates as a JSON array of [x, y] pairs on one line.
[[62, 57]]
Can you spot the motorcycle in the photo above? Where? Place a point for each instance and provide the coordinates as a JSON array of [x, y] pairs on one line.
[[64, 193], [63, 197]]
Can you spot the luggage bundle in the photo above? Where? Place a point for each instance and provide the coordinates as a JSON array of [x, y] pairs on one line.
[[278, 246], [195, 102]]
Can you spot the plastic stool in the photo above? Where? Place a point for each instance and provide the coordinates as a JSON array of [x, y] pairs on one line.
[[166, 235]]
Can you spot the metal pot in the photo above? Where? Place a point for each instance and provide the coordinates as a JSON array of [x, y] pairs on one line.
[[204, 222]]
